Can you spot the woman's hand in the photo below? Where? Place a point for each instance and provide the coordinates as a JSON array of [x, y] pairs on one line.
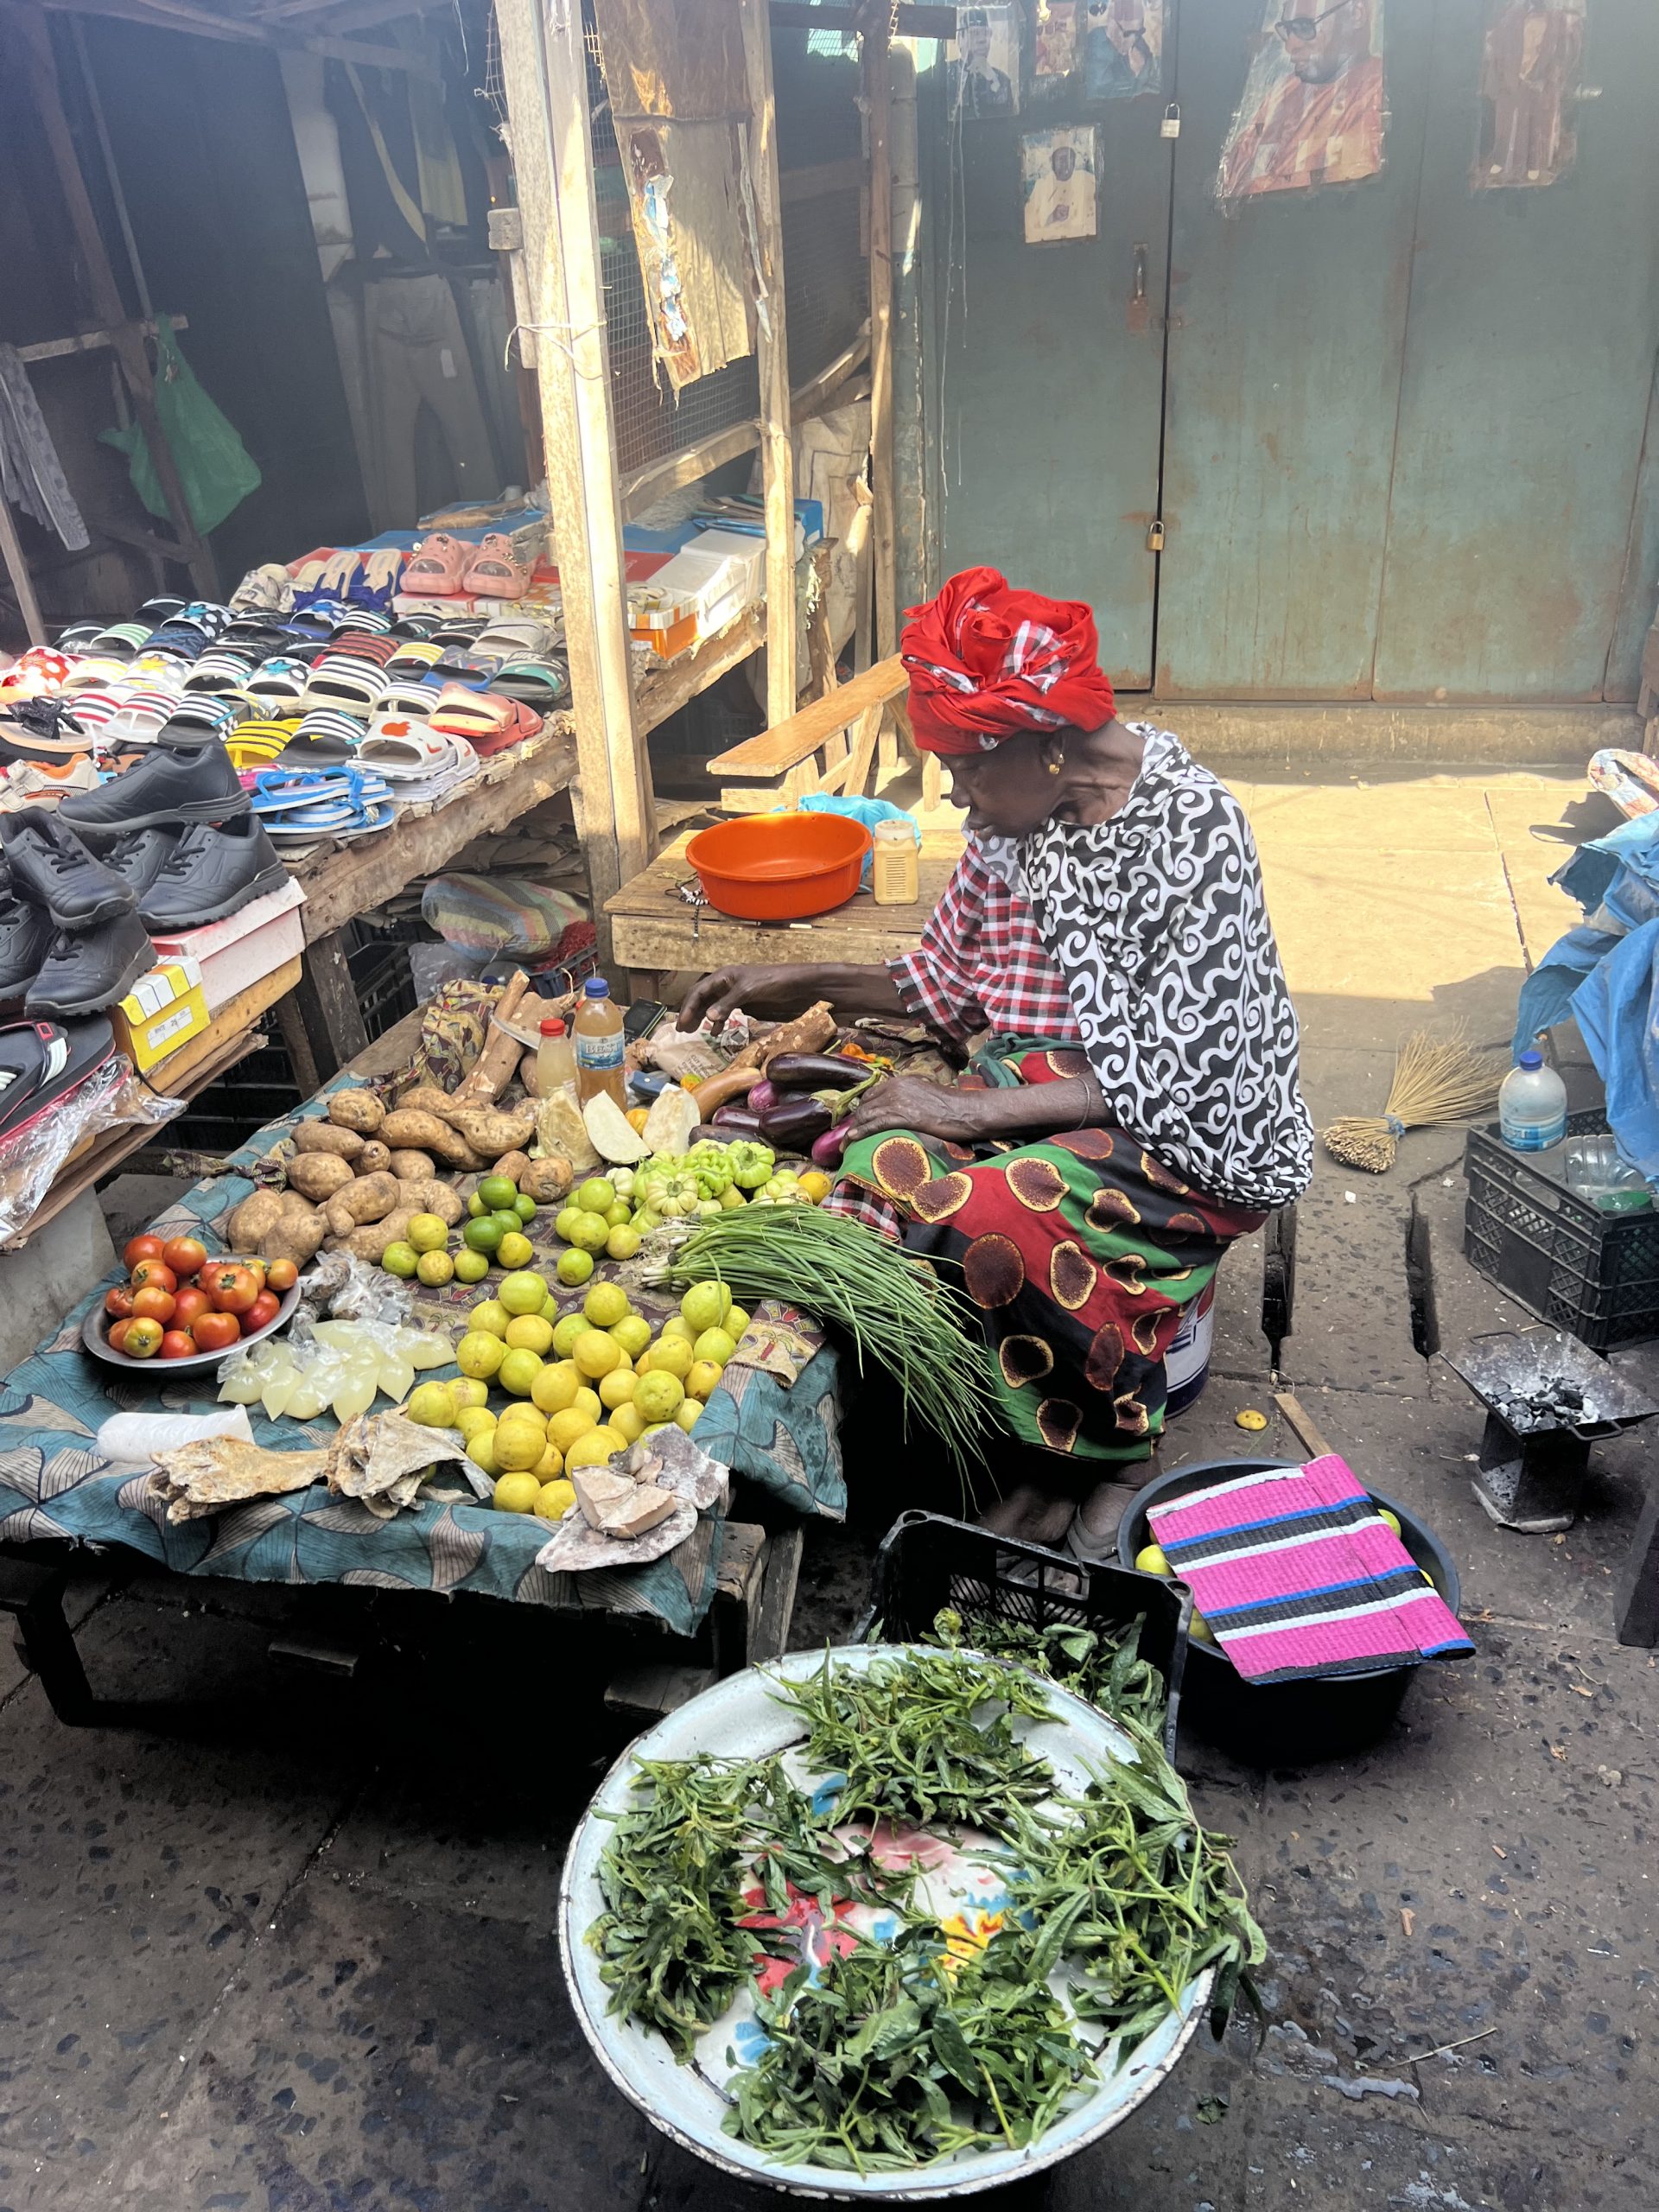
[[753, 990], [932, 1109]]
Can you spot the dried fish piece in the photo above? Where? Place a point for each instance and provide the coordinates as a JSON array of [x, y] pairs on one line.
[[198, 1478], [382, 1460]]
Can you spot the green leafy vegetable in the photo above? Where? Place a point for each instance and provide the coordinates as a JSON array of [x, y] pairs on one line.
[[1100, 1664]]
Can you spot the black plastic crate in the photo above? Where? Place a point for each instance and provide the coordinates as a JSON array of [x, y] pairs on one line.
[[1594, 1274], [927, 1562]]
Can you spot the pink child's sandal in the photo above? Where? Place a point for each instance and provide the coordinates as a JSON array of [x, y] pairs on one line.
[[434, 568]]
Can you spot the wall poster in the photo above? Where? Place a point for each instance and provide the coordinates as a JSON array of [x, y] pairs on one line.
[[1056, 38], [1314, 104], [984, 78], [1528, 92], [1122, 48], [1058, 170]]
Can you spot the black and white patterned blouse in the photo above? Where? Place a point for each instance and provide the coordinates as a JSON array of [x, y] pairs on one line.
[[1157, 920]]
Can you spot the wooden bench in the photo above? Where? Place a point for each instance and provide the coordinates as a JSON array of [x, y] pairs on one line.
[[830, 745]]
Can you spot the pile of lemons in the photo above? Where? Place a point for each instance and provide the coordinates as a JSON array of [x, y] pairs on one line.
[[580, 1388]]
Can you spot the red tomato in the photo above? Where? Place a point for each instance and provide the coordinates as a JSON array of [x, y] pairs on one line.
[[186, 1255], [263, 1310], [282, 1275], [142, 1248], [178, 1344], [216, 1332], [154, 1274], [142, 1339], [257, 1269], [230, 1285], [118, 1334], [118, 1304], [190, 1305], [154, 1304]]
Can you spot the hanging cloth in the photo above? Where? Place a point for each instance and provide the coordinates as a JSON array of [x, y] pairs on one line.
[[31, 475]]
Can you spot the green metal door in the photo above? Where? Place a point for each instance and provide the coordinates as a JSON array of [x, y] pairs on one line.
[[1050, 361]]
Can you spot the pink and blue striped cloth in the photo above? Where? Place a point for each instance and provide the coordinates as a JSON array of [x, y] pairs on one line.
[[1296, 1574]]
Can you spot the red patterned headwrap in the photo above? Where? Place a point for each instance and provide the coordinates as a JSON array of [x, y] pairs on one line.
[[987, 663]]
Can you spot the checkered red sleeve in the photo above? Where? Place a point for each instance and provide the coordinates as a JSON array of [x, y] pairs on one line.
[[936, 981]]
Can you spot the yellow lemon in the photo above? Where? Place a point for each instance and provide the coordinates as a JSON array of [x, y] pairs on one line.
[[554, 1388], [705, 1305], [686, 1413], [475, 1421], [471, 1266], [431, 1405], [550, 1465], [737, 1320], [596, 1195], [565, 1333], [703, 1378], [469, 1390], [529, 1333], [489, 1314], [656, 1397], [564, 1428], [556, 1500], [817, 1184], [435, 1269], [622, 1243], [573, 1268], [671, 1356], [480, 1355], [678, 1325], [481, 1451], [522, 1292], [515, 1250], [629, 1421], [518, 1371], [1201, 1631], [1150, 1559], [617, 1387], [590, 1233], [550, 1310], [597, 1353], [427, 1233], [1391, 1519], [517, 1491], [518, 1447], [593, 1449], [606, 1304], [632, 1333], [586, 1402], [523, 1415], [713, 1344]]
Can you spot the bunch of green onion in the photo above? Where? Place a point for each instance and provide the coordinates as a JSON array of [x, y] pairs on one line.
[[894, 1308]]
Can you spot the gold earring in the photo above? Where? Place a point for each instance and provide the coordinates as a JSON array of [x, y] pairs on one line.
[[1053, 767]]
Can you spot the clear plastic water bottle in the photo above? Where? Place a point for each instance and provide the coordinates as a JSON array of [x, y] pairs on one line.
[[1532, 1105]]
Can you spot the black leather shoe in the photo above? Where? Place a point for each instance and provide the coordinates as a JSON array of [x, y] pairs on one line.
[[139, 857], [212, 872], [26, 935], [52, 868], [87, 970], [172, 782]]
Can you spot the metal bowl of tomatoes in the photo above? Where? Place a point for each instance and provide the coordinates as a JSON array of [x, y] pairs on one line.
[[187, 1308]]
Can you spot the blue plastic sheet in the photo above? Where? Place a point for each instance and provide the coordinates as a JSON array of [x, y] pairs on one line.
[[869, 812]]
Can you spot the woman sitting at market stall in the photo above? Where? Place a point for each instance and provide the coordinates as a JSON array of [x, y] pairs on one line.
[[1134, 1105]]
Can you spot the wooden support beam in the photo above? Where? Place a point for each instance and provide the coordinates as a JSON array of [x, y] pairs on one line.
[[322, 1009], [688, 465], [41, 71], [777, 458], [11, 551], [814, 396], [88, 341], [878, 96], [545, 75]]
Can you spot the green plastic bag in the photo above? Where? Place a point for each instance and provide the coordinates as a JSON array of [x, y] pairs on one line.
[[215, 467]]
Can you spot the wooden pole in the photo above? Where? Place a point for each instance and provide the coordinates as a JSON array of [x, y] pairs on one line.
[[545, 75], [878, 94], [40, 65], [11, 552], [778, 467]]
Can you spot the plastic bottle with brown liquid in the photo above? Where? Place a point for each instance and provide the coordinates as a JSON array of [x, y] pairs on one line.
[[598, 1031]]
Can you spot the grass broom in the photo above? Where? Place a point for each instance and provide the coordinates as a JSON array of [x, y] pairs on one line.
[[1436, 1079]]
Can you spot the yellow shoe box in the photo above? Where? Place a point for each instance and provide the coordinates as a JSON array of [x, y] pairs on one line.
[[162, 1011]]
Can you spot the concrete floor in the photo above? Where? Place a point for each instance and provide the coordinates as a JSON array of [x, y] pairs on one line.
[[314, 1968]]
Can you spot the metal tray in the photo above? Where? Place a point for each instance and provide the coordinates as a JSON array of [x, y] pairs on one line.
[[94, 1334]]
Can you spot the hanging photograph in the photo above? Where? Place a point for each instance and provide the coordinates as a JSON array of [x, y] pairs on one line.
[[1056, 47], [1122, 48], [1315, 101], [985, 76], [1528, 92], [1058, 170]]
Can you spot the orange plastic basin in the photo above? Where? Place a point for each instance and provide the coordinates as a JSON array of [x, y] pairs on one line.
[[779, 868]]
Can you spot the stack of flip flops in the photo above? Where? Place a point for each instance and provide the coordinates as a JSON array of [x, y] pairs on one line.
[[303, 807], [419, 763]]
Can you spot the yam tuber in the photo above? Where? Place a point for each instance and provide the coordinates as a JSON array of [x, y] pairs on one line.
[[277, 1226], [491, 1130], [515, 1166], [357, 1109], [409, 1127], [414, 1166], [370, 1242], [433, 1196], [314, 1136], [369, 1198], [494, 1067], [546, 1180], [375, 1158], [318, 1175]]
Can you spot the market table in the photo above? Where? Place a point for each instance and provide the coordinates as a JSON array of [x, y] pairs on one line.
[[655, 933], [57, 1489]]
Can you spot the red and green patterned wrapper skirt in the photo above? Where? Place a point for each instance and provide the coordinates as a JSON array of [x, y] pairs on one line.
[[1079, 1252]]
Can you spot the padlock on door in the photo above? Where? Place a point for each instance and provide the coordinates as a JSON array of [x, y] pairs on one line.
[[1171, 125], [1154, 536]]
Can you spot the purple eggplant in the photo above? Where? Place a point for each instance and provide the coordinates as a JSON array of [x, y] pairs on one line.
[[795, 1124], [765, 1095], [735, 1120], [828, 1148], [814, 1071]]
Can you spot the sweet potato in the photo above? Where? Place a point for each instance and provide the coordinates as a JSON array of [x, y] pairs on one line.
[[323, 1136], [409, 1127], [318, 1175], [491, 1130], [375, 1158], [426, 1098], [433, 1196], [513, 1164], [414, 1166], [369, 1198], [370, 1242], [357, 1109], [527, 1075], [277, 1226], [546, 1180]]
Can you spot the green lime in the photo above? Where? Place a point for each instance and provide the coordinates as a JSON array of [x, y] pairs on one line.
[[400, 1259], [573, 1268], [509, 1220], [475, 1206], [524, 1208], [484, 1234], [618, 1216], [564, 1221], [497, 1191], [596, 1195], [472, 1267]]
